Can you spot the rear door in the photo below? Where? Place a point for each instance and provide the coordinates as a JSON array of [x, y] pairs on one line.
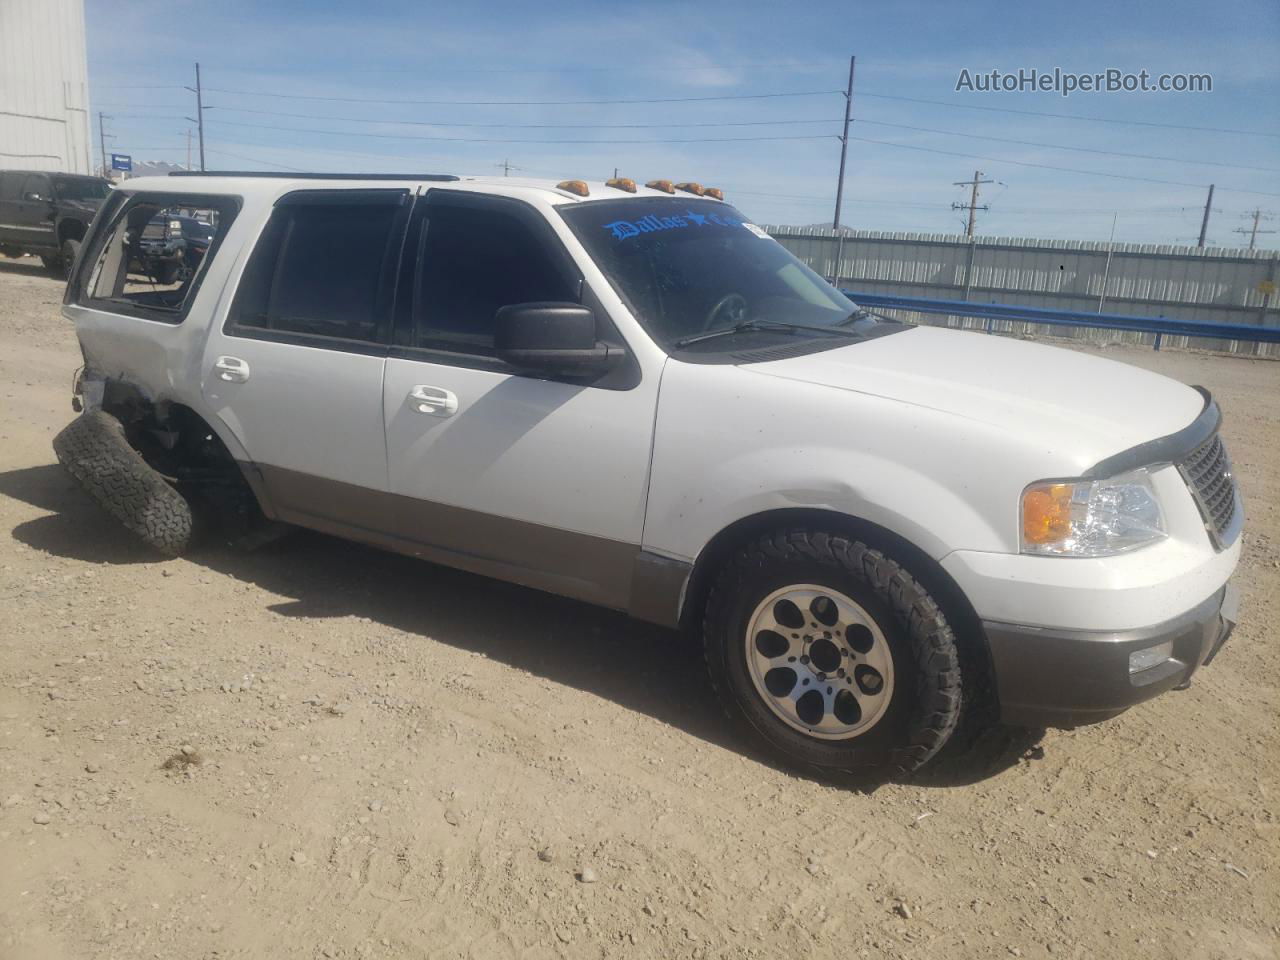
[[10, 181], [296, 370], [541, 480]]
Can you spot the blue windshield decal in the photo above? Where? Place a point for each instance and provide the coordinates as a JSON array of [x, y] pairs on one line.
[[624, 229]]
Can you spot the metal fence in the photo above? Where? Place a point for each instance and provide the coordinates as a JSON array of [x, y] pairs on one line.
[[1211, 285]]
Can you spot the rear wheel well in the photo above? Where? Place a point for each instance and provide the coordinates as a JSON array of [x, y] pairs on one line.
[[70, 230], [964, 620], [178, 443]]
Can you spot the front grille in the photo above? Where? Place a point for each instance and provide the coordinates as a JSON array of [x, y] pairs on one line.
[[1207, 470]]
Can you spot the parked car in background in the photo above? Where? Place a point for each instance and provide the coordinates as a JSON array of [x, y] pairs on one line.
[[46, 214], [171, 246]]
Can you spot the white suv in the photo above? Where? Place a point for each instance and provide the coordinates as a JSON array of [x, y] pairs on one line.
[[633, 396]]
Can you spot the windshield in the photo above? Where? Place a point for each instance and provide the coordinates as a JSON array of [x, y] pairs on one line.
[[689, 267], [84, 189]]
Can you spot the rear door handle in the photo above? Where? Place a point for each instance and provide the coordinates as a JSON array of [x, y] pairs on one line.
[[434, 400], [231, 369]]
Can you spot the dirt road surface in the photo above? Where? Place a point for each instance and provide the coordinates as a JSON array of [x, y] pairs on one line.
[[388, 759]]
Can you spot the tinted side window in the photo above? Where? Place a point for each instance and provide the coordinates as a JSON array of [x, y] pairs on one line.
[[9, 183], [38, 183], [321, 267], [470, 261]]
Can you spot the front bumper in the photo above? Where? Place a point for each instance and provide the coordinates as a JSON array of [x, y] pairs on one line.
[[1065, 678]]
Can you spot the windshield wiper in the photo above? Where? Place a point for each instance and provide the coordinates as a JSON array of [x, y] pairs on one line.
[[778, 325], [862, 313]]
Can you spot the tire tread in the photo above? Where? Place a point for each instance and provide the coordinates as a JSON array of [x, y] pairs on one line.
[[933, 645], [94, 450]]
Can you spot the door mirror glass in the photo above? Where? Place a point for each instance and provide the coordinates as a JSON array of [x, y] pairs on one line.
[[554, 338]]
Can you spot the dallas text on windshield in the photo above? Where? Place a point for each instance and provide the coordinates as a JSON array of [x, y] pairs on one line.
[[622, 229]]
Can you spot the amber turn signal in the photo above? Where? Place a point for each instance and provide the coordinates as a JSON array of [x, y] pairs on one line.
[[663, 185], [621, 183], [574, 186], [1046, 513]]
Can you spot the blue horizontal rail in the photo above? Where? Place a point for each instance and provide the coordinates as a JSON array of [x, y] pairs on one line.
[[1160, 326]]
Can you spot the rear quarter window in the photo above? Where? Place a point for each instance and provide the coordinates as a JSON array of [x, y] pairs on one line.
[[139, 264]]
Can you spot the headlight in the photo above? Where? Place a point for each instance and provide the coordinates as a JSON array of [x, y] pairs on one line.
[[1091, 518]]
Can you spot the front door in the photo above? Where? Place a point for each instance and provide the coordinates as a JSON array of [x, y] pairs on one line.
[[540, 481], [33, 217], [295, 372]]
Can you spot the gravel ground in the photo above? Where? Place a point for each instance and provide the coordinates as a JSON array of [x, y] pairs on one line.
[[318, 750]]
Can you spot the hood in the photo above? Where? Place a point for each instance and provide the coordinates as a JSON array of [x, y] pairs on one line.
[[1075, 404]]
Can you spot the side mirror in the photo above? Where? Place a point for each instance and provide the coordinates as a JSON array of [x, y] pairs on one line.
[[553, 338]]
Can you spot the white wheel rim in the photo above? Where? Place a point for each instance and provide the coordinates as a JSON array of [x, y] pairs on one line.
[[806, 639]]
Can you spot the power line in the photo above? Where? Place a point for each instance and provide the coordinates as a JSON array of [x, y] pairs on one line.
[[1046, 166], [629, 68], [1071, 116], [523, 103], [405, 136], [707, 124], [265, 163], [663, 68], [1012, 211], [513, 126], [141, 86], [1063, 146]]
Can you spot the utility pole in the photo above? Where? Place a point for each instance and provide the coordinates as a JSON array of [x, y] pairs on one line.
[[972, 205], [844, 144], [102, 142], [188, 148], [1106, 273], [1253, 231], [506, 167], [1204, 224], [198, 119]]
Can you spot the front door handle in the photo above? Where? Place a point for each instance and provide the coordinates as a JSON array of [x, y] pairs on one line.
[[434, 400], [231, 369]]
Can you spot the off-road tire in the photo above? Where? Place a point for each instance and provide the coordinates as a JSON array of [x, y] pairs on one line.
[[167, 272], [926, 702], [95, 451]]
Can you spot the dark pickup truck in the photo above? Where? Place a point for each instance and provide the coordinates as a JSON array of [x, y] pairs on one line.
[[46, 214], [171, 246]]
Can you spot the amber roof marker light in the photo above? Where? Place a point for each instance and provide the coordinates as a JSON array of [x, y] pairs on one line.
[[664, 185], [577, 187], [622, 183], [715, 193], [694, 188]]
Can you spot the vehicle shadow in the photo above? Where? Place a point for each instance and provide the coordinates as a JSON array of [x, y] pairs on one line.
[[27, 266], [641, 667]]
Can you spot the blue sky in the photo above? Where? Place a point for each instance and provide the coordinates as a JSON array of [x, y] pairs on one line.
[[311, 86]]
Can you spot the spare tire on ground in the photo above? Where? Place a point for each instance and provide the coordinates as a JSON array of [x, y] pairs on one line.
[[95, 451]]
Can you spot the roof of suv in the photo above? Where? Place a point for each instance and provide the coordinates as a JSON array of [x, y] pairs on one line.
[[276, 183]]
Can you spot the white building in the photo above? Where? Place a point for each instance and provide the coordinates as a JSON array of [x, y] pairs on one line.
[[44, 87]]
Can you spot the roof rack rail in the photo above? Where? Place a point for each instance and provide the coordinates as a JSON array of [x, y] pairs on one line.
[[313, 176]]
